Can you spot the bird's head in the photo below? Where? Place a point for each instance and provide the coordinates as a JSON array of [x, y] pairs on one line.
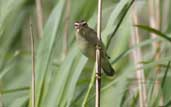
[[80, 25]]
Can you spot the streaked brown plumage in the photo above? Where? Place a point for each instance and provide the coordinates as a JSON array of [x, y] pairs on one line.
[[87, 40]]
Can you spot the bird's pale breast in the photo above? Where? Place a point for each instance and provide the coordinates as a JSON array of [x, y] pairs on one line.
[[86, 47]]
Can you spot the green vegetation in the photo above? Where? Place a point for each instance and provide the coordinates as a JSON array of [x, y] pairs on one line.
[[65, 78]]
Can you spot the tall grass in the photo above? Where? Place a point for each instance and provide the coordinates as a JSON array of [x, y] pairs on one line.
[[65, 81]]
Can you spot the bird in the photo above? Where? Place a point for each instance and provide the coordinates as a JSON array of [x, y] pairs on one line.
[[87, 41]]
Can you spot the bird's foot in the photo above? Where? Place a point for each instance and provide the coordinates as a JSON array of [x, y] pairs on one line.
[[98, 47], [98, 76]]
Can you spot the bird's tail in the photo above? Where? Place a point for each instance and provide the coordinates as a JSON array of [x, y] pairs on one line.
[[107, 68]]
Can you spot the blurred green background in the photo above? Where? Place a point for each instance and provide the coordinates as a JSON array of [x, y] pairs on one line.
[[63, 78]]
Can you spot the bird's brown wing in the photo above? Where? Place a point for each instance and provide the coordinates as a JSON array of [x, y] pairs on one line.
[[94, 40]]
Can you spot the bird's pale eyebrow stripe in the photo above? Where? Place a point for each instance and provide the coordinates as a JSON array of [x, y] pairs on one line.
[[84, 22], [80, 23], [76, 23]]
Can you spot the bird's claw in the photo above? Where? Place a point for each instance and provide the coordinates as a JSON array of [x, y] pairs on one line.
[[98, 76], [98, 47]]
